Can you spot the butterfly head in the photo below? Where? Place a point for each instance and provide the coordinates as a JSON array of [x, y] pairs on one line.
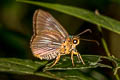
[[74, 40]]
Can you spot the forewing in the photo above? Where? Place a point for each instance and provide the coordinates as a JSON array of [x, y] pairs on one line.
[[48, 35]]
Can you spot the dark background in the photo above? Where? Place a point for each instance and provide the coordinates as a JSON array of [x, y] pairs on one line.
[[16, 30]]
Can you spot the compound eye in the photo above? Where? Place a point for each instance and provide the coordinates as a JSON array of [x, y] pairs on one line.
[[75, 41]]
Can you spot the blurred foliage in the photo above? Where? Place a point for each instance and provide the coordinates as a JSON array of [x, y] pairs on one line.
[[16, 31], [22, 66]]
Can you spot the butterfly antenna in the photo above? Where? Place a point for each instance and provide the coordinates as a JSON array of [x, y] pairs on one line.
[[87, 30], [91, 41]]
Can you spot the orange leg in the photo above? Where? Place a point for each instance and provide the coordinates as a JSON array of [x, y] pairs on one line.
[[57, 59], [72, 58], [79, 57]]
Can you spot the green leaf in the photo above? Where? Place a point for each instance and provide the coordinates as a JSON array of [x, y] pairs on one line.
[[91, 61], [105, 22], [116, 62], [20, 66], [62, 70], [72, 75]]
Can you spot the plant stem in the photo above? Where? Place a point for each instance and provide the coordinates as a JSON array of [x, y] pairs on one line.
[[117, 77], [107, 50], [105, 44]]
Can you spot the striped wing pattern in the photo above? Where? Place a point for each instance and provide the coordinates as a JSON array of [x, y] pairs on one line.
[[48, 35]]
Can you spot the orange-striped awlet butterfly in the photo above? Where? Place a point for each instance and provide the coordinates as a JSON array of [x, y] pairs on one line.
[[50, 40]]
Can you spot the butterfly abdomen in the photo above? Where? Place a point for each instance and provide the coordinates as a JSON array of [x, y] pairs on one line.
[[49, 56]]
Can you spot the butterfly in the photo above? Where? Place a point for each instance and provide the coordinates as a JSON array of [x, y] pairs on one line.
[[50, 40]]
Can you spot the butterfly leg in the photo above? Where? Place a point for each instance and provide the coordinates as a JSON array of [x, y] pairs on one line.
[[79, 57], [72, 58], [57, 59]]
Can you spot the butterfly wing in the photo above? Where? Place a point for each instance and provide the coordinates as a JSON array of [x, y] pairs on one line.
[[48, 35]]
